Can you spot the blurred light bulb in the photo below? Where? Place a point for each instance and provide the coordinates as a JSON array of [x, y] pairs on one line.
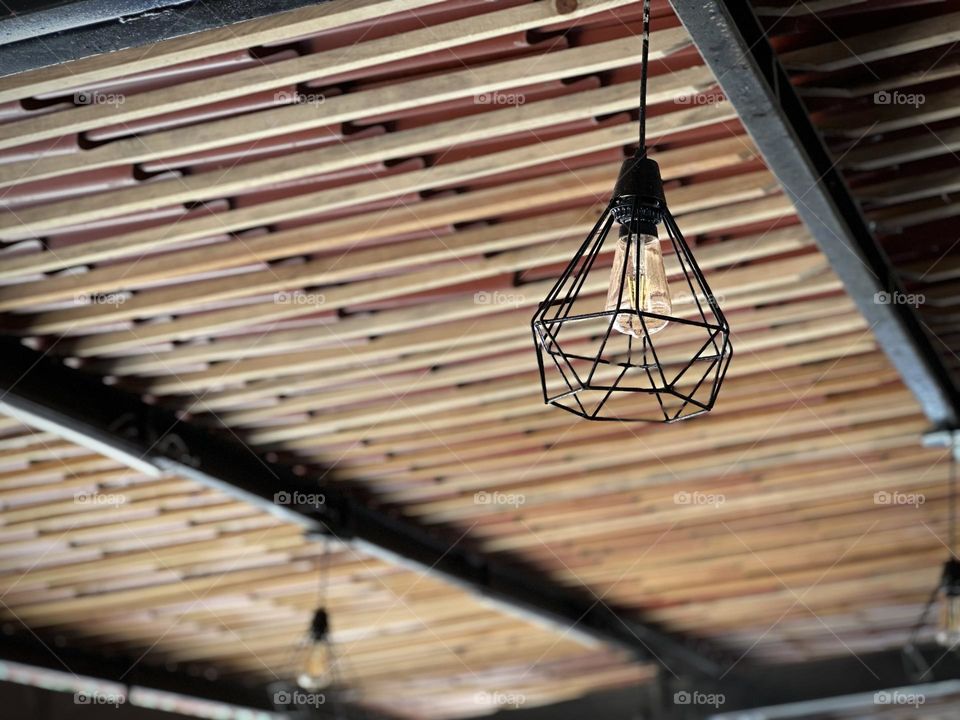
[[316, 668], [643, 258], [948, 633]]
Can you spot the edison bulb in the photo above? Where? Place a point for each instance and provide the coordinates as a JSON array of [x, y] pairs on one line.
[[948, 634], [643, 258], [315, 674]]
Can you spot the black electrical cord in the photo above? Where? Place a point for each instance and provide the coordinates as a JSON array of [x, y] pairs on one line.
[[952, 527], [642, 147]]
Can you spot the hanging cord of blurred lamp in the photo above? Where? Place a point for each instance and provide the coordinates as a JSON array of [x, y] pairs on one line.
[[946, 594], [598, 359]]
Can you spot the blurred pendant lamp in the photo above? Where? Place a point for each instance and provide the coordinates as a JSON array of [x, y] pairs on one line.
[[316, 660], [317, 657], [597, 357], [946, 595]]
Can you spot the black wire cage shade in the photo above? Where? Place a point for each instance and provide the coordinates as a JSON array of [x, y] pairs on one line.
[[645, 353], [598, 359]]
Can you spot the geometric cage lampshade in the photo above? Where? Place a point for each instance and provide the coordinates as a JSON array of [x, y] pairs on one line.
[[643, 339]]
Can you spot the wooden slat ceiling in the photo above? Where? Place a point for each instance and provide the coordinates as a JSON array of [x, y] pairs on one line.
[[164, 571], [327, 231], [880, 80]]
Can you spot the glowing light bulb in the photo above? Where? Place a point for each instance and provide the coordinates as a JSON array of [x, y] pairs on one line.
[[316, 669], [316, 666], [948, 633], [642, 257]]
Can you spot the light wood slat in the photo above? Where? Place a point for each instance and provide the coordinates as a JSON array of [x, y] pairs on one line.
[[501, 237], [440, 374], [281, 381], [344, 108], [357, 293], [533, 433], [249, 176], [755, 384], [313, 203], [898, 82], [845, 442], [792, 9], [450, 399], [297, 70], [239, 36], [453, 454], [506, 330], [764, 527], [438, 425], [724, 612], [669, 513], [888, 118], [893, 152], [879, 45], [344, 233], [794, 238], [565, 504], [895, 219], [913, 187], [745, 281]]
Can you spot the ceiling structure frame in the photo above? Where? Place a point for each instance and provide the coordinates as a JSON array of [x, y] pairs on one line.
[[140, 435]]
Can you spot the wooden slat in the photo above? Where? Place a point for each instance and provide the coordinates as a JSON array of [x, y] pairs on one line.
[[297, 70], [273, 28], [870, 47]]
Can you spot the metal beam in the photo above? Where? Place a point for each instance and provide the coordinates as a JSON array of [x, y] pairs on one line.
[[732, 42], [76, 666], [774, 690], [44, 393]]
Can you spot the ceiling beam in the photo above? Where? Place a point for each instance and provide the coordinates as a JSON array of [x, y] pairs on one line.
[[73, 668], [776, 690], [45, 394], [732, 42]]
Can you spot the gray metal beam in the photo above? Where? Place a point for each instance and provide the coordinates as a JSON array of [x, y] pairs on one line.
[[775, 690], [732, 42]]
